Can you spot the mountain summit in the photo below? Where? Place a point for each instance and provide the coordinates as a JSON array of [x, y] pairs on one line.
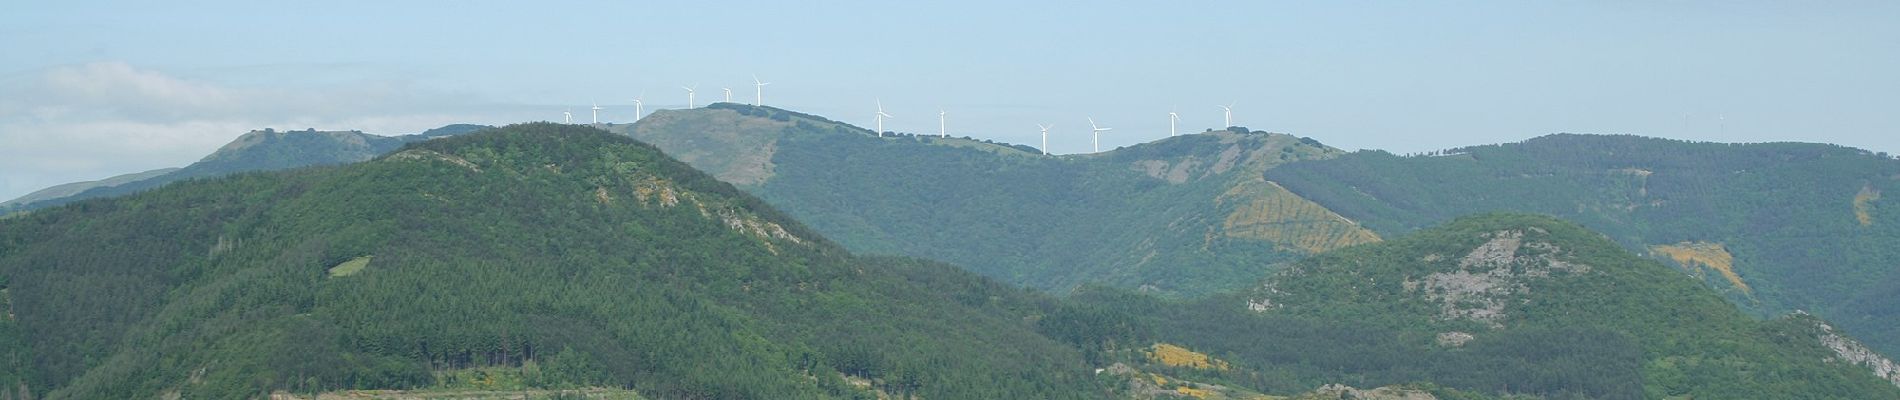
[[1185, 215]]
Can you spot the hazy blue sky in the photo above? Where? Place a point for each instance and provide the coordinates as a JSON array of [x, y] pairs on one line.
[[91, 89]]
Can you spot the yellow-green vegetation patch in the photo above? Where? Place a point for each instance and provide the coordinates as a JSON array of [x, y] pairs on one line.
[[1177, 356], [1263, 210], [1707, 255], [350, 267], [1863, 205]]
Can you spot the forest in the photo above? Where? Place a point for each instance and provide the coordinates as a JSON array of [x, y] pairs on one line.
[[594, 257], [1803, 223]]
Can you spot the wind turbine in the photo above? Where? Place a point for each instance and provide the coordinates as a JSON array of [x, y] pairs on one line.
[[728, 94], [639, 108], [1228, 112], [758, 88], [567, 117], [1097, 141], [1045, 138], [880, 118], [1172, 119], [941, 131], [596, 113], [689, 95]]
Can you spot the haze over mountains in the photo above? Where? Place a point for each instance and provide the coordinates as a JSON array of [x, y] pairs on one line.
[[1222, 263], [1777, 227], [263, 150]]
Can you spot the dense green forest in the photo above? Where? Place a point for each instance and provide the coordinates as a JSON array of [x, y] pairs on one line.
[[1163, 216], [585, 257], [262, 150], [1576, 316], [1804, 224]]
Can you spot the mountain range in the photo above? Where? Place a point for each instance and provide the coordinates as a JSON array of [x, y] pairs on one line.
[[1776, 227], [1223, 264]]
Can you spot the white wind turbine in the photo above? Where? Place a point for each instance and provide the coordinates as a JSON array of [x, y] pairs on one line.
[[880, 118], [1045, 138], [639, 107], [596, 113], [1227, 111], [689, 95], [942, 131], [728, 94], [1097, 141], [1172, 119], [758, 91]]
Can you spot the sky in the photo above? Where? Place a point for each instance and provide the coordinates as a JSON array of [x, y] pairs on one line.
[[92, 89]]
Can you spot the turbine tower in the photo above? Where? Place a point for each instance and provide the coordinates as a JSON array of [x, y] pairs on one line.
[[880, 118], [1172, 119], [689, 96], [596, 113], [1097, 141], [1228, 112], [1045, 138], [728, 94], [941, 130], [758, 91], [567, 117]]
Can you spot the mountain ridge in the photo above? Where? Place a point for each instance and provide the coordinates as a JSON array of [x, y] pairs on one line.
[[563, 253], [257, 150], [849, 182]]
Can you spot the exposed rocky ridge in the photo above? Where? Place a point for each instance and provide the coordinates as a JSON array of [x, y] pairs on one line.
[[1852, 352]]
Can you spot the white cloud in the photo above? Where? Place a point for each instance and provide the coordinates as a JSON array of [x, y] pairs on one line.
[[92, 121]]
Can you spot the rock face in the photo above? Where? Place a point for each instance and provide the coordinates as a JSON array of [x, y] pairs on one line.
[[1343, 392], [1490, 276], [1853, 352]]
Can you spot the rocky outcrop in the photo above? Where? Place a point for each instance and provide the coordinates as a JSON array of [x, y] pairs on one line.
[[1852, 352], [1491, 276]]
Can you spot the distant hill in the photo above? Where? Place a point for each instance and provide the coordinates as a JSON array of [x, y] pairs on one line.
[[1181, 216], [263, 150], [77, 187], [1776, 226], [1490, 304], [535, 256]]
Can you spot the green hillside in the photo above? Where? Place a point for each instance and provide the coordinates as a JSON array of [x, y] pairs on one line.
[[549, 255], [1487, 305], [262, 150], [1186, 215], [1777, 226]]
